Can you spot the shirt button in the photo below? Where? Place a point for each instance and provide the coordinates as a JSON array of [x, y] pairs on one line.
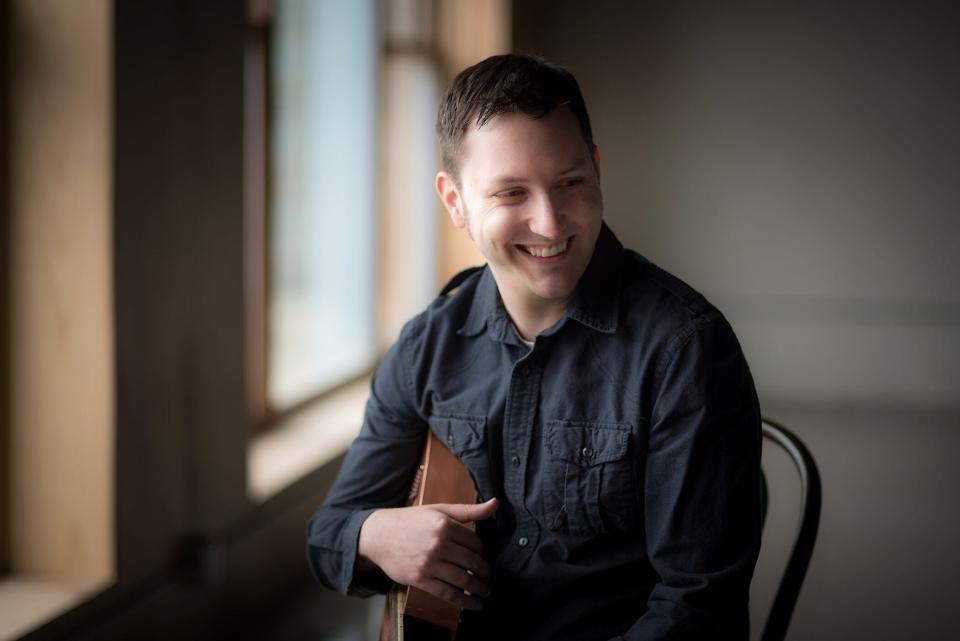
[[523, 541], [449, 439], [525, 370], [516, 461], [587, 452]]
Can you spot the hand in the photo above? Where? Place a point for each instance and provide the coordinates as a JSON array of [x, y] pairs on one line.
[[429, 547]]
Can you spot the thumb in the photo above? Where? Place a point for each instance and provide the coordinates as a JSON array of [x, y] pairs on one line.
[[465, 512]]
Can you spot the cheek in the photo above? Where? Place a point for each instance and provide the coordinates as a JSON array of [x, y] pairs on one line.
[[589, 200], [498, 228]]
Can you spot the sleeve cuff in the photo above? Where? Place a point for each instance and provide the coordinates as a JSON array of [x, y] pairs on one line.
[[356, 584]]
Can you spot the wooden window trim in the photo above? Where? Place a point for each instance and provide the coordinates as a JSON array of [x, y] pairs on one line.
[[257, 200], [5, 560]]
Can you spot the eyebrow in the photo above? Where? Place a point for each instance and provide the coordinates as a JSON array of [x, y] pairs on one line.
[[506, 179], [580, 164], [517, 179]]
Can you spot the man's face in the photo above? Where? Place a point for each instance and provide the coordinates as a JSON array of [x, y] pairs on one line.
[[529, 196]]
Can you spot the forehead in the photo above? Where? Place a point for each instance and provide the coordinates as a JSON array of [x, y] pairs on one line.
[[517, 144]]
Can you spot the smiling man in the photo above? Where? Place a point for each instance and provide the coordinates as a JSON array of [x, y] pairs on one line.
[[527, 190], [602, 407]]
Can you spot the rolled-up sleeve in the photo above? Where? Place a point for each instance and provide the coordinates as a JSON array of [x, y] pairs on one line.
[[702, 488], [376, 473]]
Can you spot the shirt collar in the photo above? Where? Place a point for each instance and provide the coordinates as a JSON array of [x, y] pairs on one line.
[[595, 304]]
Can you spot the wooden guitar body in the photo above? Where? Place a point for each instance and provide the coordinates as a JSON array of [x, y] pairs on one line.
[[412, 614]]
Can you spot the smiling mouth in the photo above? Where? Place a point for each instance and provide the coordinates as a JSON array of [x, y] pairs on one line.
[[547, 251]]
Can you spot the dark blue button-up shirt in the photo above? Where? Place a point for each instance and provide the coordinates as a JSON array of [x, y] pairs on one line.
[[624, 449]]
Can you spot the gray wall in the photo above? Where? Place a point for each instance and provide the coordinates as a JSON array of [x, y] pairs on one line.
[[799, 165], [796, 164]]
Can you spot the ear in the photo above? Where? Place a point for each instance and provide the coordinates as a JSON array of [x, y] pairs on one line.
[[450, 197], [595, 154]]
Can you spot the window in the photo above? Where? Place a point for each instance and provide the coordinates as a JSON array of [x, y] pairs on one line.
[[341, 157], [323, 71]]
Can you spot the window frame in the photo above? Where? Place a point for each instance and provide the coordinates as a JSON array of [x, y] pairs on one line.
[[5, 80]]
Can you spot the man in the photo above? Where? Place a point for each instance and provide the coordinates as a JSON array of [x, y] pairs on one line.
[[603, 408]]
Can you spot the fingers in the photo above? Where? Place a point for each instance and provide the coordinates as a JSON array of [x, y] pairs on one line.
[[468, 561], [457, 596], [457, 576], [465, 512], [462, 580], [462, 546], [464, 537], [455, 570]]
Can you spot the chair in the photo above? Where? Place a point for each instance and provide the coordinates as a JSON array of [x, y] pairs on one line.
[[810, 500]]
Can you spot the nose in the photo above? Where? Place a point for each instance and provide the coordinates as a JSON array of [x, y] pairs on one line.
[[546, 219]]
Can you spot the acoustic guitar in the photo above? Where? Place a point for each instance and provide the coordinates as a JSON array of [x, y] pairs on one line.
[[412, 614]]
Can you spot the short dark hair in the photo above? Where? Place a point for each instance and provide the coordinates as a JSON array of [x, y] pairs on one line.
[[511, 83]]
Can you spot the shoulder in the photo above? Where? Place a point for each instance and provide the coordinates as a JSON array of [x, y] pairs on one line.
[[662, 306], [425, 339], [650, 290], [446, 314]]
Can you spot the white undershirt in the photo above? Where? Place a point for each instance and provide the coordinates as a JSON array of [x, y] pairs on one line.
[[529, 344]]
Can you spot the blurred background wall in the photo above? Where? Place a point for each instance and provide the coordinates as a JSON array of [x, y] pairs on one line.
[[798, 162]]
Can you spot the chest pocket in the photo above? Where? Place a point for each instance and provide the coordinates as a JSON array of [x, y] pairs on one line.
[[466, 436], [589, 481]]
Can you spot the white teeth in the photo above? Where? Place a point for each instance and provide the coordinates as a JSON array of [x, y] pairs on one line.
[[547, 252]]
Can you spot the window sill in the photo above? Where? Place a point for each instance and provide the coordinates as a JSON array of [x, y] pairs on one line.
[[26, 602], [302, 443]]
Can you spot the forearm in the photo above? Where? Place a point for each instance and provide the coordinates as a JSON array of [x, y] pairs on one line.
[[332, 552], [369, 540], [717, 610], [667, 627]]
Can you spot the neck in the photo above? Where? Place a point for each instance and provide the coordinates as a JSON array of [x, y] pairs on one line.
[[531, 317]]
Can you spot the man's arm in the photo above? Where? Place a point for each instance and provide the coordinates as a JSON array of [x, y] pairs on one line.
[[702, 489], [376, 473], [359, 540]]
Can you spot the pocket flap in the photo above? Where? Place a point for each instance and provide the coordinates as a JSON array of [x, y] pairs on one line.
[[587, 443], [461, 433]]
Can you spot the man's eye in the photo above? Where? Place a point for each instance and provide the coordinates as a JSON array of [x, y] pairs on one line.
[[510, 193], [571, 182]]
